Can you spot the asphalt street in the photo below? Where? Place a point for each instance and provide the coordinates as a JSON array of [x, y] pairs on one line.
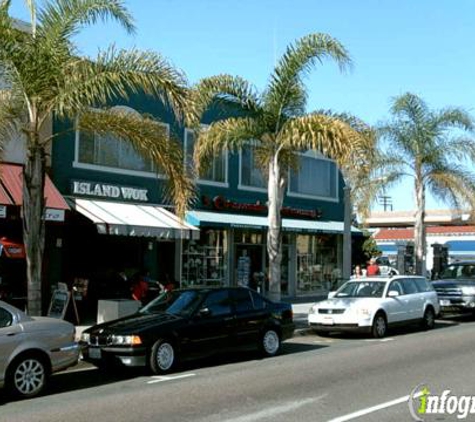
[[314, 379]]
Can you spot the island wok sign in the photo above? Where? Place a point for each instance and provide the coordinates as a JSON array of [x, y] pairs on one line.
[[105, 190]]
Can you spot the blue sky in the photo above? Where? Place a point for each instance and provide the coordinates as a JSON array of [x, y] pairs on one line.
[[425, 47]]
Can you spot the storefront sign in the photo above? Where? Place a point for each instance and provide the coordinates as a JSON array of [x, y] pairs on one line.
[[54, 215], [220, 203], [103, 190]]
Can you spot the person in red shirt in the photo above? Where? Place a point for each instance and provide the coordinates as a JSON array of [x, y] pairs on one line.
[[372, 268], [139, 288]]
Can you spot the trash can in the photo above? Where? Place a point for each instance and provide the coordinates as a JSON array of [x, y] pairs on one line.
[[110, 309]]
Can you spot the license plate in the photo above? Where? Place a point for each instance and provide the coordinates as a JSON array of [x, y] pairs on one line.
[[444, 302], [94, 353], [328, 321]]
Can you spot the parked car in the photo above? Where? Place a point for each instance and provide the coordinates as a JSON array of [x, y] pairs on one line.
[[190, 323], [372, 304], [31, 349], [456, 288]]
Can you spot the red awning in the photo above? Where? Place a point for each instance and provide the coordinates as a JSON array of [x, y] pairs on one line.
[[4, 197], [12, 249], [12, 186]]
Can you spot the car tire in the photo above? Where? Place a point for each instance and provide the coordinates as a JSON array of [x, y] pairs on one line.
[[27, 376], [380, 326], [163, 357], [270, 342], [428, 320]]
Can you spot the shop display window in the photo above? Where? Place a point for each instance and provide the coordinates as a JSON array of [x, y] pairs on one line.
[[204, 262], [317, 269]]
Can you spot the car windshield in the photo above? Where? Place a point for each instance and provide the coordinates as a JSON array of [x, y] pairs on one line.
[[180, 303], [465, 271], [361, 289]]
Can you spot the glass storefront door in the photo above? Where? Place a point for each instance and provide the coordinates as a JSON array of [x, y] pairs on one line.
[[317, 269]]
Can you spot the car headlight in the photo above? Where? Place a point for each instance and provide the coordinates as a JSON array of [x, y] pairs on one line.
[[468, 290], [313, 310], [125, 340], [85, 337]]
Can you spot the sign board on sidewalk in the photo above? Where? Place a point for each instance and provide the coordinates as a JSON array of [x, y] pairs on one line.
[[59, 303]]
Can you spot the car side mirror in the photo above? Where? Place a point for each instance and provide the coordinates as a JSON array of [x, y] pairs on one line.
[[331, 295], [393, 293], [204, 312]]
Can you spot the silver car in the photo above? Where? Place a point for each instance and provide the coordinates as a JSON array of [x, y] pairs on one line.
[[31, 349]]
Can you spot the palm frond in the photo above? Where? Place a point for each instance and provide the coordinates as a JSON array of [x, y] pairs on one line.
[[221, 91], [453, 117], [459, 148], [453, 185], [330, 136], [409, 107], [62, 19], [228, 134], [150, 140], [9, 122], [285, 94], [119, 73]]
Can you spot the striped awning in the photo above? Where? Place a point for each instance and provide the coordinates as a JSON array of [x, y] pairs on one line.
[[118, 218]]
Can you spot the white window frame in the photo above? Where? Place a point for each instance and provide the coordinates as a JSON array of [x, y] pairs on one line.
[[317, 156], [242, 186], [206, 182], [116, 170]]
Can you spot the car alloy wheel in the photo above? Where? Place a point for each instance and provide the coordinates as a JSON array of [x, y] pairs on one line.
[[379, 326], [429, 319], [162, 357], [28, 377], [270, 343]]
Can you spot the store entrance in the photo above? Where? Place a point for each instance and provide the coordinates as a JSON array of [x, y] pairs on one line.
[[250, 266]]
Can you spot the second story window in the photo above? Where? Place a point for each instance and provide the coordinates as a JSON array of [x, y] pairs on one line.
[[216, 173], [109, 152], [317, 177], [251, 174]]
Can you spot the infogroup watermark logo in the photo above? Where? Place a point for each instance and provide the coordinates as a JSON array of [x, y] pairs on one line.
[[423, 403]]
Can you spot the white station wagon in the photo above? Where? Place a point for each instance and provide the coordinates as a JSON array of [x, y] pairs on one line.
[[32, 348], [373, 304]]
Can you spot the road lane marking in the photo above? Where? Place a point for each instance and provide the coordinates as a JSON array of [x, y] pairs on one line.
[[274, 411], [373, 409], [380, 340], [163, 378]]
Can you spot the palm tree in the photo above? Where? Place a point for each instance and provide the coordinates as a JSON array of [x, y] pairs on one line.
[[422, 145], [280, 128], [43, 76]]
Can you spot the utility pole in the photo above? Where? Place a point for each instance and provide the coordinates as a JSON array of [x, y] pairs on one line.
[[386, 201], [347, 233]]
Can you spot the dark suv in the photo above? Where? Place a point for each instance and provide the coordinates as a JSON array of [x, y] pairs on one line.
[[456, 288]]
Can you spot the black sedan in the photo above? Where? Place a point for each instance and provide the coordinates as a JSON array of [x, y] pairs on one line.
[[190, 323]]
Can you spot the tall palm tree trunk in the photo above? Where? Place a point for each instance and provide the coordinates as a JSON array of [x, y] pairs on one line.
[[419, 228], [274, 244], [33, 222]]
